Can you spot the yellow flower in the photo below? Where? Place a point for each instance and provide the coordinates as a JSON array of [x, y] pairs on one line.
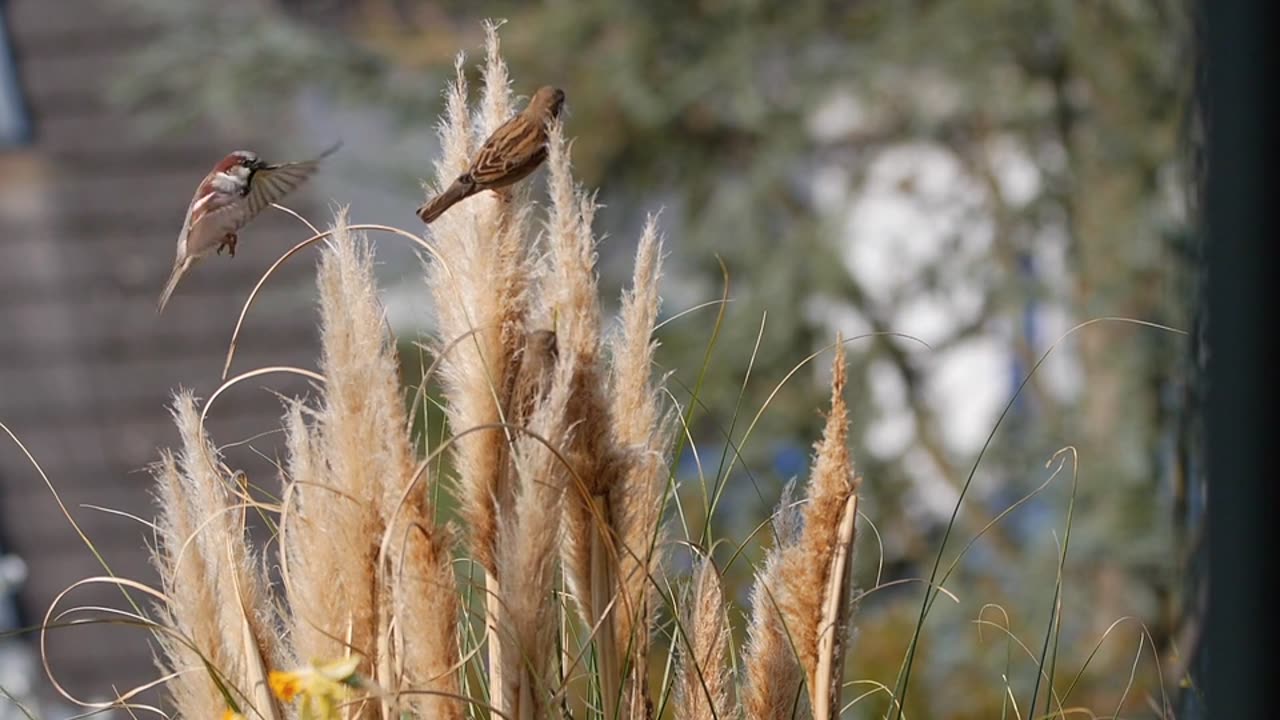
[[286, 685], [230, 714], [321, 687]]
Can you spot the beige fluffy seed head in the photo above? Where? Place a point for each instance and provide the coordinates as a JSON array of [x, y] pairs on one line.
[[192, 608], [526, 568], [217, 594], [702, 692], [426, 611], [641, 435], [334, 528], [806, 566], [772, 686], [610, 514], [479, 281], [569, 289], [793, 591]]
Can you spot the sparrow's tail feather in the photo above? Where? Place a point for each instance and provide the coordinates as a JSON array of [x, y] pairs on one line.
[[436, 206], [179, 269]]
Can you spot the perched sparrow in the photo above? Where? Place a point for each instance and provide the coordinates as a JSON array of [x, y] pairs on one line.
[[513, 151], [235, 191]]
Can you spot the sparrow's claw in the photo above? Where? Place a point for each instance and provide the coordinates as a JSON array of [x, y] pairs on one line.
[[229, 242]]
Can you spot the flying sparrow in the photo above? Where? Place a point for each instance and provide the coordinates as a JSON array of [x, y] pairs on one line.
[[232, 194], [510, 154]]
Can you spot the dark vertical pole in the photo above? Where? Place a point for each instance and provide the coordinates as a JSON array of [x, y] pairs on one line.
[[1240, 242]]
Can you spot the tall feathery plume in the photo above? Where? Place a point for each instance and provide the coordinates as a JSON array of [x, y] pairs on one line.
[[361, 430], [479, 285], [702, 689], [190, 609], [307, 499], [635, 400], [527, 560], [772, 688], [830, 532], [803, 590], [216, 594], [590, 548], [642, 435], [479, 282], [331, 534], [425, 597], [350, 472], [495, 107]]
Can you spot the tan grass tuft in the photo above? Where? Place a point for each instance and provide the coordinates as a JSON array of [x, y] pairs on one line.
[[334, 533], [363, 417], [806, 566], [590, 549], [702, 690], [454, 130], [772, 686], [192, 609], [351, 476], [797, 594], [613, 507], [479, 287], [569, 290], [526, 562], [351, 482], [495, 107], [216, 594], [642, 437], [425, 597], [635, 401]]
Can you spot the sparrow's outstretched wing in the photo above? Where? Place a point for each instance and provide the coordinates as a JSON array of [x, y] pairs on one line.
[[269, 184]]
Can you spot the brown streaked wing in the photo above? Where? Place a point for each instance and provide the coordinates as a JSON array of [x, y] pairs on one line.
[[512, 146], [516, 173]]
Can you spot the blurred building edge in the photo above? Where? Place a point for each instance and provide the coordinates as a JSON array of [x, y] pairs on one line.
[[17, 662], [89, 212], [15, 126]]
